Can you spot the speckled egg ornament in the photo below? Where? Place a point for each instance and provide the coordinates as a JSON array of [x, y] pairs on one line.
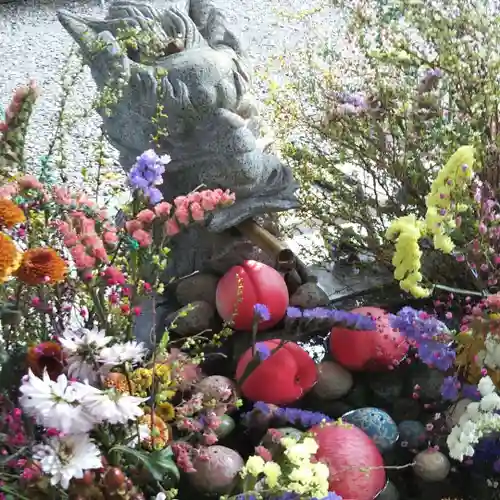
[[242, 287], [376, 424], [356, 465], [362, 350]]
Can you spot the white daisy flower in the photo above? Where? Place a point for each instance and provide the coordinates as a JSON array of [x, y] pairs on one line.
[[128, 352], [110, 405], [82, 348], [65, 458], [54, 404]]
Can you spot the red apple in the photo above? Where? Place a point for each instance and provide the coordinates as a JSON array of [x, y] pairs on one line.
[[242, 287], [368, 350], [282, 378], [356, 465]]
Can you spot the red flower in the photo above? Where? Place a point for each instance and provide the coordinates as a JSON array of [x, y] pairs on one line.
[[46, 356]]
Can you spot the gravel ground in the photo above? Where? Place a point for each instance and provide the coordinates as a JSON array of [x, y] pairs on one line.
[[34, 45]]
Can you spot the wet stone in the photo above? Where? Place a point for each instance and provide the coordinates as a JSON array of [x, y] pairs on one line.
[[388, 493], [200, 287], [334, 381], [405, 409], [192, 319], [308, 296], [387, 386], [432, 466], [429, 382]]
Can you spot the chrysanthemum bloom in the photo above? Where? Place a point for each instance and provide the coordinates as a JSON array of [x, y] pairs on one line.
[[155, 431], [46, 356], [10, 257], [119, 382], [165, 411], [10, 214], [41, 265]]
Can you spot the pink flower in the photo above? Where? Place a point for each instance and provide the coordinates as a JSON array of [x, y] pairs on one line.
[[182, 215], [102, 214], [171, 227], [181, 201], [146, 216], [63, 227], [143, 237], [132, 226], [100, 253], [109, 238], [197, 212], [227, 198], [70, 239], [114, 276], [91, 240], [87, 225], [82, 260], [8, 190], [208, 201], [163, 209], [61, 196], [29, 182], [194, 197]]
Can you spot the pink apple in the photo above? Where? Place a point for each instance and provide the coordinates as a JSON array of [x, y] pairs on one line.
[[242, 287], [356, 465], [282, 378], [368, 350]]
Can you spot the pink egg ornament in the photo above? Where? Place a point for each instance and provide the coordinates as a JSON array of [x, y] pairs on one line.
[[375, 350], [356, 465], [281, 379], [242, 287]]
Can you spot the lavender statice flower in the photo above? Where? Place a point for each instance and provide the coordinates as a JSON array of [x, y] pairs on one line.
[[470, 391], [429, 335], [263, 350], [450, 388], [147, 173], [261, 312], [344, 318], [293, 416]]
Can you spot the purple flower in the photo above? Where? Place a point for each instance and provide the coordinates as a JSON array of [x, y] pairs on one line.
[[293, 312], [261, 312], [305, 418], [262, 407], [263, 351], [470, 391], [146, 174], [428, 334], [348, 319], [449, 389]]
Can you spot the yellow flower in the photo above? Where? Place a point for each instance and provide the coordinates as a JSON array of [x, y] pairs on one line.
[[166, 411], [142, 379], [163, 373], [407, 231], [272, 472], [310, 445], [255, 465]]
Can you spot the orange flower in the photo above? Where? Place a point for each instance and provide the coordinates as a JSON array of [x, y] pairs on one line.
[[41, 265], [46, 356], [117, 381], [10, 214], [10, 257], [159, 432]]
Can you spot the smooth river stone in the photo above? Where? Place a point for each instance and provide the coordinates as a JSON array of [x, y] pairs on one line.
[[218, 474], [432, 466], [334, 381]]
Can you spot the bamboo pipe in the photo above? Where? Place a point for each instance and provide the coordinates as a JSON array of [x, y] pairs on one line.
[[276, 249]]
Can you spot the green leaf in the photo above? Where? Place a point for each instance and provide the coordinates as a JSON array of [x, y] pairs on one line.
[[160, 464]]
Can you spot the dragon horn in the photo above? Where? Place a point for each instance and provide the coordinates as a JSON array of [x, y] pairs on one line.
[[100, 50]]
